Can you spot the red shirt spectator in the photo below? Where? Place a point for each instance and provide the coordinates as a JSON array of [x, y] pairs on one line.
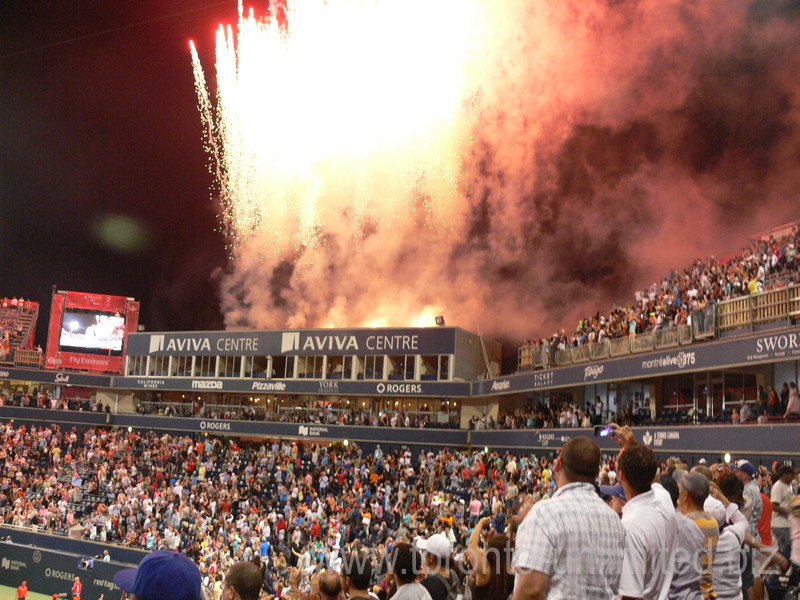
[[765, 522]]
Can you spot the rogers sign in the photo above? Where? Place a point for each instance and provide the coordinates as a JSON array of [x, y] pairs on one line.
[[215, 425], [399, 388]]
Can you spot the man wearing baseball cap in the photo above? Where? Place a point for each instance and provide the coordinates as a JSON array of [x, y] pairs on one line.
[[436, 552], [22, 591], [162, 575]]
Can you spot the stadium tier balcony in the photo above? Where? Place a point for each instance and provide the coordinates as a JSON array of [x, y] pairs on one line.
[[756, 290], [17, 331]]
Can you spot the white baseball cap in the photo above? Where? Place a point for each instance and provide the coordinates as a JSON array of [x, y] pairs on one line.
[[437, 544]]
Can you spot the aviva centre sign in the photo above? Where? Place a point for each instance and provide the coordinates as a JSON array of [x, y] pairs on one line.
[[307, 342]]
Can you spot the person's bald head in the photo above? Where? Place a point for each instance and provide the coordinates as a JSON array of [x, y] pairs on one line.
[[330, 584], [580, 459]]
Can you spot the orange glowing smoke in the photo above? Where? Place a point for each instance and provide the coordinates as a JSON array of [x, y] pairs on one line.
[[512, 165]]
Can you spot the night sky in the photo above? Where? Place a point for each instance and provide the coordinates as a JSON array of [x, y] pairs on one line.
[[99, 121]]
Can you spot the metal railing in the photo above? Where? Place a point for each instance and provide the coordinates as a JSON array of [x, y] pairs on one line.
[[28, 358], [743, 314]]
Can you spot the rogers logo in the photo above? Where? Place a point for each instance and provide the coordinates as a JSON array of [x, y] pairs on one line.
[[61, 378], [593, 371], [498, 386], [399, 388], [215, 425], [206, 385]]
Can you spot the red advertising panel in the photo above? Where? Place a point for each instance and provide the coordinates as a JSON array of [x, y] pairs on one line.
[[89, 332]]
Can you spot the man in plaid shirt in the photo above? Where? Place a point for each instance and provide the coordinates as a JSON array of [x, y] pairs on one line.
[[570, 546]]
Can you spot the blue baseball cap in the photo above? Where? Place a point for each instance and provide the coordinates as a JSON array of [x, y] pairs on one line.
[[162, 575], [747, 467]]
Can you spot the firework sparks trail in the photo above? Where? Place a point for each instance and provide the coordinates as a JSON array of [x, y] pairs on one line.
[[347, 125]]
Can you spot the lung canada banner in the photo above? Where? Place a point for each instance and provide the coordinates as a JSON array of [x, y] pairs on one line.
[[54, 573]]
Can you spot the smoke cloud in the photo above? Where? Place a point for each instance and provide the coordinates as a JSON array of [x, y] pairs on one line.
[[599, 144]]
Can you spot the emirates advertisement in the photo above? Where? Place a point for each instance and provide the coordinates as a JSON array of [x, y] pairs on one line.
[[89, 332]]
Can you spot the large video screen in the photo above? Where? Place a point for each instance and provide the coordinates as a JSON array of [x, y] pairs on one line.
[[92, 331]]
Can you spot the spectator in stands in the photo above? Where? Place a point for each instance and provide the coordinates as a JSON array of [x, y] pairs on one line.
[[727, 568], [570, 546], [650, 527], [493, 578], [330, 585], [406, 565], [694, 490], [243, 581], [793, 403], [437, 551], [794, 526], [763, 265], [782, 496]]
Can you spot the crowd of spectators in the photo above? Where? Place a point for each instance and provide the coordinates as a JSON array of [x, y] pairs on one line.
[[769, 406], [37, 399], [12, 327], [296, 509], [763, 265], [292, 414]]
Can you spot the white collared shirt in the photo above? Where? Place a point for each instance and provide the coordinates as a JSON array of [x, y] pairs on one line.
[[650, 542], [726, 573], [575, 539]]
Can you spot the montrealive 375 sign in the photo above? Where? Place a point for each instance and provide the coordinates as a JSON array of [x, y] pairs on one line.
[[297, 342], [761, 348]]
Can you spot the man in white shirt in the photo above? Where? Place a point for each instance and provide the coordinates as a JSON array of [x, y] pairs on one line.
[[782, 496], [570, 546], [650, 528]]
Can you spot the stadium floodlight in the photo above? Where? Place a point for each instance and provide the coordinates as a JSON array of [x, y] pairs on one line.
[[440, 321]]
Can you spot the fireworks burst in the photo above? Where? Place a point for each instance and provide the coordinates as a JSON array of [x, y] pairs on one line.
[[382, 161], [346, 122]]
